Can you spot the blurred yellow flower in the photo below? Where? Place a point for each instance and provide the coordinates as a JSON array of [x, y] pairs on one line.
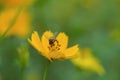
[[53, 46], [15, 3], [88, 62], [21, 26]]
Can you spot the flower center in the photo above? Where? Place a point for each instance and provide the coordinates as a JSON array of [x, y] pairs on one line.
[[54, 45]]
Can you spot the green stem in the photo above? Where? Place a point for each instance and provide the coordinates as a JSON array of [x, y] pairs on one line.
[[11, 24], [22, 73], [46, 70]]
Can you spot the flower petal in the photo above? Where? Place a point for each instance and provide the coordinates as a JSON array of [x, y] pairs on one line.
[[35, 41], [63, 41], [87, 61], [71, 52], [56, 55], [45, 40]]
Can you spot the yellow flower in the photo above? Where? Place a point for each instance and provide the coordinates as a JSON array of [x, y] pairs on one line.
[[21, 26], [53, 46], [88, 62]]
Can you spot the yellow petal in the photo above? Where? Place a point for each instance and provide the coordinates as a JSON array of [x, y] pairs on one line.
[[88, 62], [35, 41], [63, 41], [45, 40], [71, 52], [56, 55]]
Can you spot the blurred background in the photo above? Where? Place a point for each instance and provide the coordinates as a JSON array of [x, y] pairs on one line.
[[93, 24]]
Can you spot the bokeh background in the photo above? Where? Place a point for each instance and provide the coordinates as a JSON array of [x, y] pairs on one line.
[[94, 24]]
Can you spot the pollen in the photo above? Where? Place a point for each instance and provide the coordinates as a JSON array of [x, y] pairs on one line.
[[54, 46]]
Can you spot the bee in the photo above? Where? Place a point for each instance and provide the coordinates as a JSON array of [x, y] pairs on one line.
[[52, 39]]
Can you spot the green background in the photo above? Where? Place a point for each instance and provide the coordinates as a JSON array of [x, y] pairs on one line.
[[93, 24]]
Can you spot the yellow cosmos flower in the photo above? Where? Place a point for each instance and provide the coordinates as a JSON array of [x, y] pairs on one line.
[[87, 61], [21, 26], [53, 46]]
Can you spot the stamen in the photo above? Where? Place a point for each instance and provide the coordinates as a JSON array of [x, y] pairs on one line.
[[54, 46]]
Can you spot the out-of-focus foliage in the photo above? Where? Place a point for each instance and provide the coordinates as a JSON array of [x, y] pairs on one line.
[[90, 23], [23, 56], [16, 3]]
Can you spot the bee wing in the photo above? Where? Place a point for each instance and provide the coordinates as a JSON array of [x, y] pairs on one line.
[[52, 37]]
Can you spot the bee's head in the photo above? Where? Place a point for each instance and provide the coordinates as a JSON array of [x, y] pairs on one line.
[[51, 41]]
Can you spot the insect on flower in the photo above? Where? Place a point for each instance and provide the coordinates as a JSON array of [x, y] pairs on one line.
[[52, 39], [53, 45]]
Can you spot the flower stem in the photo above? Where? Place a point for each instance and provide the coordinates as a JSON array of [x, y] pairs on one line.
[[22, 74], [46, 70]]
